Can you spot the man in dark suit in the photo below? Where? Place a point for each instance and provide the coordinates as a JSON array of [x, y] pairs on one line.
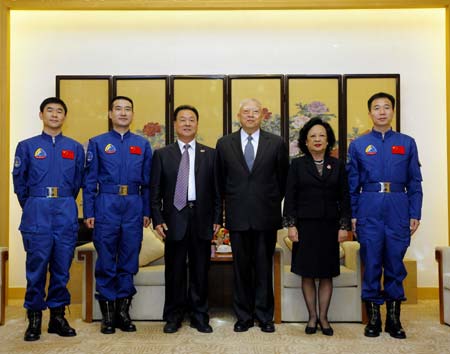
[[252, 166], [186, 212]]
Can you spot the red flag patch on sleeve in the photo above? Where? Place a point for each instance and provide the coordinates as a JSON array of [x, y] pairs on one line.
[[67, 154], [136, 150], [398, 149]]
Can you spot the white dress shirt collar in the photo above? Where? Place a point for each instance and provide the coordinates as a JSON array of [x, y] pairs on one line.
[[255, 136], [255, 140], [181, 145]]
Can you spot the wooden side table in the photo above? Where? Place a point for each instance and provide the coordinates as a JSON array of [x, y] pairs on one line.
[[410, 282], [220, 278]]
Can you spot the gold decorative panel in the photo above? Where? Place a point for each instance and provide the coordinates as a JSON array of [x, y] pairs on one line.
[[149, 95], [207, 95]]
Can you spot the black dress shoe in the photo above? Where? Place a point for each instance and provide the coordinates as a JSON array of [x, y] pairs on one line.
[[311, 330], [267, 327], [326, 331], [202, 327], [243, 326], [171, 327]]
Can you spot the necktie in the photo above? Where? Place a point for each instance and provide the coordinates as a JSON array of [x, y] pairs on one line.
[[249, 153], [181, 188]]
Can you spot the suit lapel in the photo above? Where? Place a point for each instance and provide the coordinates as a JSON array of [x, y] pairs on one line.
[[263, 143], [175, 153], [237, 148], [328, 167], [311, 168], [199, 154]]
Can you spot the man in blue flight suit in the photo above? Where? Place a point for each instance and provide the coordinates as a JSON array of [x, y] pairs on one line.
[[116, 204], [386, 195], [47, 177]]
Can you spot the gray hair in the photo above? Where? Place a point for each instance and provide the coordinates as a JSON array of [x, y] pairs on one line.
[[248, 100]]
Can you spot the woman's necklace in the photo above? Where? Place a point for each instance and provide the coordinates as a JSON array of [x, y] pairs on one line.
[[319, 166]]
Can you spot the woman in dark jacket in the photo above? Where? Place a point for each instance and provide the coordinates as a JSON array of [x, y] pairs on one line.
[[317, 214]]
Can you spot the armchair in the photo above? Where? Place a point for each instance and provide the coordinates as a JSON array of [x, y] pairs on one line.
[[148, 303], [442, 256], [346, 305]]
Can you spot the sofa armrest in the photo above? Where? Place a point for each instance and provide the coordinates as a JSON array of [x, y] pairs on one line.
[[352, 261], [351, 250], [3, 258], [442, 256], [287, 254], [159, 261], [87, 255]]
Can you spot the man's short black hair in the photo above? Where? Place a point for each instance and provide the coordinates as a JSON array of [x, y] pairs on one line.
[[114, 99], [380, 95], [50, 100], [304, 135], [185, 107]]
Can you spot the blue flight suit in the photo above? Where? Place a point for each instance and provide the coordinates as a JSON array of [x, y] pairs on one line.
[[116, 193], [49, 224], [383, 218]]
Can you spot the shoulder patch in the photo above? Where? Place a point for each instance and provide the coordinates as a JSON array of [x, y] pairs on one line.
[[17, 162]]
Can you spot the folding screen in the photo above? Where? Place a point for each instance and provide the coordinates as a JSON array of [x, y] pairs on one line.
[[268, 89], [311, 96], [87, 99], [151, 106], [207, 95], [357, 90]]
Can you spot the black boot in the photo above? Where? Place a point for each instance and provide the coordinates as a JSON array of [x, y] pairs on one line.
[[108, 313], [393, 324], [33, 331], [123, 320], [373, 327], [58, 323]]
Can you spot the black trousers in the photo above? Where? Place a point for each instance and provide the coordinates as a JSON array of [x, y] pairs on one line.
[[252, 265], [183, 295]]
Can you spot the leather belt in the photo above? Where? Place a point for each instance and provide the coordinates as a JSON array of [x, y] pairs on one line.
[[120, 189], [384, 187], [50, 192]]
